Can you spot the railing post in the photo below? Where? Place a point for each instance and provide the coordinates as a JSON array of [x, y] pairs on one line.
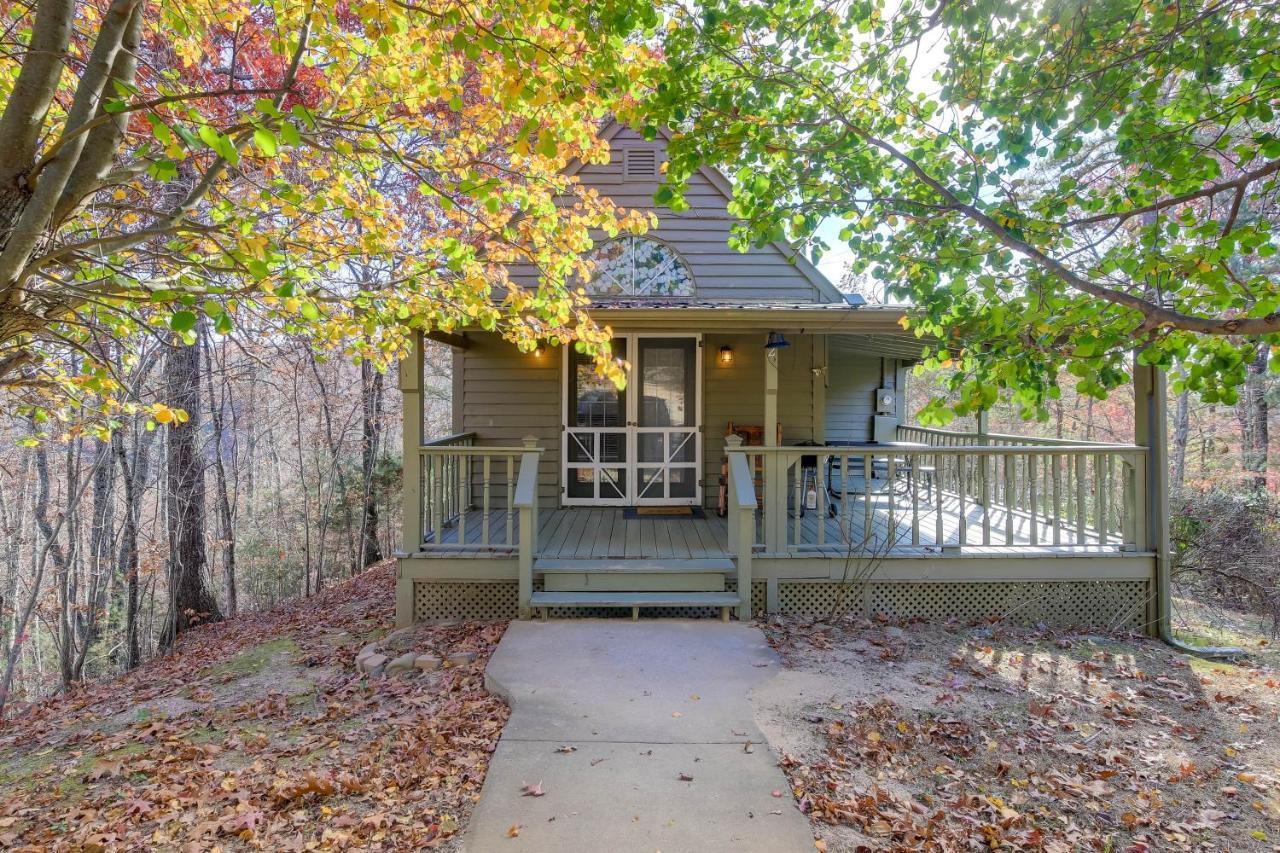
[[411, 388], [742, 520], [746, 525], [731, 443], [526, 501], [775, 502]]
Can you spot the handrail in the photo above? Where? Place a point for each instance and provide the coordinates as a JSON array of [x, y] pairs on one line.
[[459, 439], [742, 520], [527, 480], [743, 493], [998, 439], [526, 503]]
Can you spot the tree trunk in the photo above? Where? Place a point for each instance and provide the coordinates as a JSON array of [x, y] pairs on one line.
[[1181, 433], [371, 384], [100, 535], [226, 514], [1253, 413], [134, 477], [190, 601]]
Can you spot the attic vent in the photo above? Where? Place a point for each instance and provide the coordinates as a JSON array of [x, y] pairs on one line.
[[639, 163]]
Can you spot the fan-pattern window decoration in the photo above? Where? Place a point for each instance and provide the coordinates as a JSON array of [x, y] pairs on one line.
[[636, 266]]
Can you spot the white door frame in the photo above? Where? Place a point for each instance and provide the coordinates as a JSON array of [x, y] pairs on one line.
[[632, 432]]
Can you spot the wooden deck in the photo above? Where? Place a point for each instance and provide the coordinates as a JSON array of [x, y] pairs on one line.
[[594, 533]]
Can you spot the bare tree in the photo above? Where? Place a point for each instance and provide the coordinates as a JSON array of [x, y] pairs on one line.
[[190, 601]]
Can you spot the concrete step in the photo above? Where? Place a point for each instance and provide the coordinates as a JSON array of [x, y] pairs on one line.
[[636, 600], [643, 565]]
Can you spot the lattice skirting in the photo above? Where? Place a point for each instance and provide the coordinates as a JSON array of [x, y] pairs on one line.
[[434, 601], [1092, 604]]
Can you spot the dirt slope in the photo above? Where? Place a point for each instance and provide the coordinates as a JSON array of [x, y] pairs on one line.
[[260, 733], [937, 738]]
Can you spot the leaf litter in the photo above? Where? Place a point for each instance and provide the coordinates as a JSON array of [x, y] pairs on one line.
[[922, 737], [278, 743]]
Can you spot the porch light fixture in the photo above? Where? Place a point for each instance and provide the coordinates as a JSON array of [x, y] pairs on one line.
[[776, 341], [725, 359], [538, 351]]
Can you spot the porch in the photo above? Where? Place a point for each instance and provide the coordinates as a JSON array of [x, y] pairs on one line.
[[970, 516], [536, 504]]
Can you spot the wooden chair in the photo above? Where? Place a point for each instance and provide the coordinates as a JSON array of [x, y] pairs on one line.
[[752, 436]]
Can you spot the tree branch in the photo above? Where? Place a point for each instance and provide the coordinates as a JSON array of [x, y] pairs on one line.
[[35, 87], [1239, 183], [31, 225]]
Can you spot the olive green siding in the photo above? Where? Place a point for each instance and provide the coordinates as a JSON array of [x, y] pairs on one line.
[[852, 380], [700, 234], [503, 395]]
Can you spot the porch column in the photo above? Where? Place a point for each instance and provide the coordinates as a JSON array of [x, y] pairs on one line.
[[770, 397], [1150, 410], [411, 433]]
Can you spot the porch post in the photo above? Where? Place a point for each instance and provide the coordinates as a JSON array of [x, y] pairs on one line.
[[410, 377], [411, 434], [770, 397], [1150, 410]]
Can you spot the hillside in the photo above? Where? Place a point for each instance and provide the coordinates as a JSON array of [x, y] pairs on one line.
[[260, 733]]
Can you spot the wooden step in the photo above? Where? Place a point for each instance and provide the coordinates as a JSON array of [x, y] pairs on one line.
[[635, 600], [647, 565]]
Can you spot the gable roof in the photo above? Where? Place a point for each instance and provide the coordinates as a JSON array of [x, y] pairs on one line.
[[720, 182]]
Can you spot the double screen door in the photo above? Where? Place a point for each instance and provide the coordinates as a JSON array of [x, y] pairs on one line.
[[640, 445]]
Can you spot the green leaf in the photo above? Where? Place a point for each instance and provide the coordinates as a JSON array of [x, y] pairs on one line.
[[182, 321], [266, 141], [547, 145]]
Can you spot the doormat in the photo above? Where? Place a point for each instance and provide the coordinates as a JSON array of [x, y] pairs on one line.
[[663, 512]]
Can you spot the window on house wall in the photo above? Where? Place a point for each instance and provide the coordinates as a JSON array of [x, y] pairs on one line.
[[639, 266]]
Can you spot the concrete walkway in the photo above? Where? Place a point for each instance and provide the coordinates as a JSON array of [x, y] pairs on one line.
[[639, 703]]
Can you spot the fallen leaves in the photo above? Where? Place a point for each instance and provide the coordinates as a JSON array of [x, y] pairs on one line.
[[684, 777], [1091, 743], [345, 763], [528, 790]]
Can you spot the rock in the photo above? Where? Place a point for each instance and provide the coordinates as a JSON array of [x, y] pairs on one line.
[[404, 663], [462, 658], [399, 632], [371, 649], [894, 633], [368, 663], [427, 662]]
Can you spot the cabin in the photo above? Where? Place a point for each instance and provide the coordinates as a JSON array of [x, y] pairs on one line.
[[759, 459]]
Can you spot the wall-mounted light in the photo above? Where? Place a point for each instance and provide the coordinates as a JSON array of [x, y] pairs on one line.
[[538, 351], [725, 358]]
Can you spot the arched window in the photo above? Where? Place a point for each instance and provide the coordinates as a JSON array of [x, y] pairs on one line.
[[639, 266]]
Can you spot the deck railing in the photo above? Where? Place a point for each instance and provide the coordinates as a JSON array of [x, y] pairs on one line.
[[469, 494], [995, 496], [948, 438], [742, 508]]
